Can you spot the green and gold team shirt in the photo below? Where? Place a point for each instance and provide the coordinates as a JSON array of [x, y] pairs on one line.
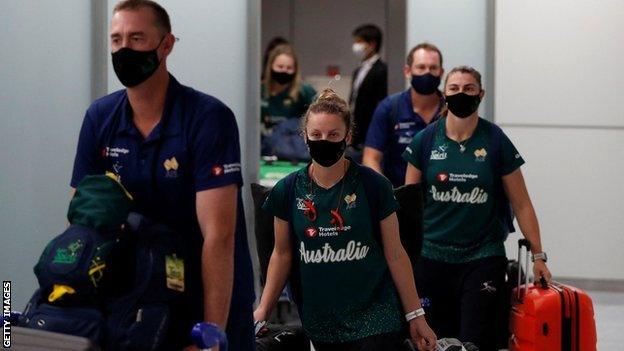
[[277, 108], [347, 290], [461, 220]]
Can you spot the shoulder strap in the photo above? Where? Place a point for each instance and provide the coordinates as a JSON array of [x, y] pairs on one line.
[[425, 151]]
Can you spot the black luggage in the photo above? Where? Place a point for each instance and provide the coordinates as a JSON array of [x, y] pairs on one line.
[[275, 337]]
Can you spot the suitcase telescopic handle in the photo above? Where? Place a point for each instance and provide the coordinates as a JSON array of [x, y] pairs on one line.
[[527, 244]]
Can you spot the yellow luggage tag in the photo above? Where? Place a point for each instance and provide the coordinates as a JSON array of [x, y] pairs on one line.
[[59, 290], [175, 273]]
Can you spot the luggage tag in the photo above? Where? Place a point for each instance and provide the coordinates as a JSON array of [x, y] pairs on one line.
[[260, 328], [175, 272], [449, 344]]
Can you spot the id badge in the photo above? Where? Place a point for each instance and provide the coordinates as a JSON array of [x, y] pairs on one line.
[[175, 273]]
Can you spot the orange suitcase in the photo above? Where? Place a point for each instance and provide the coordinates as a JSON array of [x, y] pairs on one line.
[[550, 317]]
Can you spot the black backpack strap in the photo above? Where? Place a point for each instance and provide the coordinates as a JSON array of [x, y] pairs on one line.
[[496, 162]]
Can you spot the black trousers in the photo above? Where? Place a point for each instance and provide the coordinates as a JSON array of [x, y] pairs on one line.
[[461, 300], [380, 342]]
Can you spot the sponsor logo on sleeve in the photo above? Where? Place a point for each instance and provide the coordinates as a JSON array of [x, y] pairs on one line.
[[405, 140], [217, 171]]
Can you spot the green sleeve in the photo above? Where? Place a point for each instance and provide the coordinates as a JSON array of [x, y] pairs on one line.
[[387, 202], [412, 151], [275, 204], [511, 157], [307, 93]]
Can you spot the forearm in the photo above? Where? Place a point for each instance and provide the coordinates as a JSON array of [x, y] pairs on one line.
[[218, 277], [403, 277], [527, 220], [277, 274], [370, 159]]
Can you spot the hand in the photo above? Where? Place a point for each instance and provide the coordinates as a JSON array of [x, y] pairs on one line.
[[540, 270], [260, 314], [422, 336]]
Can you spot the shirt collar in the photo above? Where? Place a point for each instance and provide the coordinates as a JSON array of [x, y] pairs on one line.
[[171, 122], [408, 97], [370, 61]]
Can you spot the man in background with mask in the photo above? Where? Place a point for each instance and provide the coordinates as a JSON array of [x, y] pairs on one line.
[[177, 152], [400, 116], [369, 85]]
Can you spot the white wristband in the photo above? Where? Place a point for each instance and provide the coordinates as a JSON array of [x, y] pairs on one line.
[[414, 314]]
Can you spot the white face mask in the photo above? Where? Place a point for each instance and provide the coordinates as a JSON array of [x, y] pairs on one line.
[[359, 49]]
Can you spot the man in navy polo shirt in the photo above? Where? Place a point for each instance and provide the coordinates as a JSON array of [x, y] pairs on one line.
[[177, 151], [400, 116]]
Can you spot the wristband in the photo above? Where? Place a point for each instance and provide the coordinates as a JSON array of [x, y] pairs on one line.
[[414, 314]]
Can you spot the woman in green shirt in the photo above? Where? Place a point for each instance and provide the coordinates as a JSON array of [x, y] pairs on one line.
[[463, 259], [283, 95], [355, 275]]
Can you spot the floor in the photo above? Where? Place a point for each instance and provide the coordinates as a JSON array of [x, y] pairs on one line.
[[609, 314]]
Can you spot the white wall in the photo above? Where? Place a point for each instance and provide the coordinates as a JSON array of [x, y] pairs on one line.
[[45, 87], [321, 32], [558, 83]]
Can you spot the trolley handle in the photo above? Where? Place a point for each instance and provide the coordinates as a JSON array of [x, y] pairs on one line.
[[526, 244]]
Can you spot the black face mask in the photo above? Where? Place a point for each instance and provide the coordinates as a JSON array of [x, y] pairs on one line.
[[135, 67], [463, 105], [282, 77], [425, 84], [326, 153]]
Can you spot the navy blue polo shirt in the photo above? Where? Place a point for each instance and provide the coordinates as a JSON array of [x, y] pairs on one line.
[[391, 134], [194, 147]]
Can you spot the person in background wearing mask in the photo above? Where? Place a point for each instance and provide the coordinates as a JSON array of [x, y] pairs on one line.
[[356, 279], [177, 152], [283, 95], [400, 116], [369, 85], [267, 51], [470, 171]]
